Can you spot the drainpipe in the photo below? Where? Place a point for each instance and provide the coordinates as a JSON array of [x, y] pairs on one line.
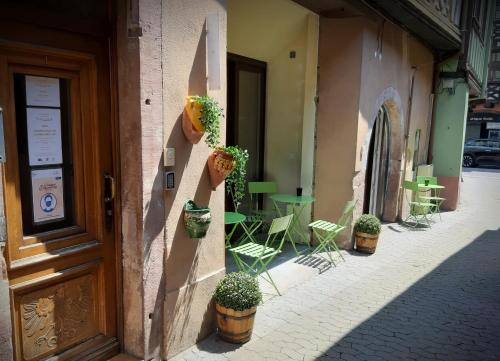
[[406, 137]]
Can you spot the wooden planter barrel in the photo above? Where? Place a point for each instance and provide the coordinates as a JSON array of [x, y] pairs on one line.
[[235, 326], [365, 242]]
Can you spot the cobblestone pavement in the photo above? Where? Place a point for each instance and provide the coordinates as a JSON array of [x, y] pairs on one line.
[[424, 295]]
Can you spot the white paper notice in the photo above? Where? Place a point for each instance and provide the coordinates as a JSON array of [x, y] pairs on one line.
[[44, 136], [48, 195], [41, 91]]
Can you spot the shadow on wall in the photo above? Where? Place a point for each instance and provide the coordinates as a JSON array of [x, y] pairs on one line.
[[154, 223], [182, 256], [455, 305]]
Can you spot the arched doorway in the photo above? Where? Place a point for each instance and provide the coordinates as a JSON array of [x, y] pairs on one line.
[[377, 167]]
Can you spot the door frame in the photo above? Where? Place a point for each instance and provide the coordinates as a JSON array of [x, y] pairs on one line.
[[15, 35], [243, 63]]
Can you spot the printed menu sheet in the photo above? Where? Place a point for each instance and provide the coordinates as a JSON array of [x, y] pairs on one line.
[[42, 91], [44, 136]]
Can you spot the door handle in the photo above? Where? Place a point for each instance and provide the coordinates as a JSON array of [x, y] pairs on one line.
[[109, 188], [109, 196], [2, 139]]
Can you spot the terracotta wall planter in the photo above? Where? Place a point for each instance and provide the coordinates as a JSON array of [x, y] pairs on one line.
[[365, 242], [235, 326], [191, 123], [220, 164]]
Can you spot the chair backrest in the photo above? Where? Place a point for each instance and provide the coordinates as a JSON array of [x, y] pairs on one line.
[[280, 224], [262, 187], [347, 213], [430, 180], [256, 188], [411, 186]]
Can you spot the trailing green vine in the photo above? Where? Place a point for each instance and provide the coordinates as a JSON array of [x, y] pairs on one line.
[[210, 119], [235, 181]]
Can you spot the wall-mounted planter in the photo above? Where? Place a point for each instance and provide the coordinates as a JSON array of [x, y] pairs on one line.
[[220, 164], [196, 220], [191, 121]]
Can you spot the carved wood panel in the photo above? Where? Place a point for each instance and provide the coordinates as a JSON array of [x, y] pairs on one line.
[[58, 316]]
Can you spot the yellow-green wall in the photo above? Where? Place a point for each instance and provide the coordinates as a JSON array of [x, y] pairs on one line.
[[267, 31]]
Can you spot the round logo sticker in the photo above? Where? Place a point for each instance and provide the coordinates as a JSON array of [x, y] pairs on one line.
[[48, 202]]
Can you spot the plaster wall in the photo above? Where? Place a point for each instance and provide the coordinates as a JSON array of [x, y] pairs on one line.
[[283, 26], [193, 267], [353, 85], [339, 90], [448, 142], [141, 144]]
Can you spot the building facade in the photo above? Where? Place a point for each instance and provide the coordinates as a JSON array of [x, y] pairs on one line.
[[337, 98], [483, 118]]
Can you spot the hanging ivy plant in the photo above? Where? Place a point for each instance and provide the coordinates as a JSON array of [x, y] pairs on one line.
[[210, 118], [236, 180]]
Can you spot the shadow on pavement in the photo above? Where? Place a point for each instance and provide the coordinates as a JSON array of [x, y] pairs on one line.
[[452, 313]]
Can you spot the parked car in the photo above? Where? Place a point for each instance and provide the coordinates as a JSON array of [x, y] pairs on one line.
[[481, 152]]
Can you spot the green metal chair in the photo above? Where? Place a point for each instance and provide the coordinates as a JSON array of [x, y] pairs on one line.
[[258, 216], [419, 208], [255, 189], [326, 232], [262, 254], [347, 213], [431, 198]]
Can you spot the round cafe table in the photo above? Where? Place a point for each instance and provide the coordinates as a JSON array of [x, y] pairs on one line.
[[298, 204]]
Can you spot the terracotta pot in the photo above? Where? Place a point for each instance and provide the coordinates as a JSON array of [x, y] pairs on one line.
[[194, 111], [189, 130], [365, 242], [235, 326], [220, 164]]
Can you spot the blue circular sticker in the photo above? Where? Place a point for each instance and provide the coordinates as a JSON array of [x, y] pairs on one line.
[[48, 202]]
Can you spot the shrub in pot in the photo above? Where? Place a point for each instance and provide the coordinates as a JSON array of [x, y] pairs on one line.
[[196, 220], [236, 298], [366, 231], [202, 115]]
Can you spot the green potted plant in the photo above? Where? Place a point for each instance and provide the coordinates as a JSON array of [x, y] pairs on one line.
[[202, 115], [229, 162], [366, 231], [236, 298], [196, 220]]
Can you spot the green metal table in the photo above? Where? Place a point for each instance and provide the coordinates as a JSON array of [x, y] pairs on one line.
[[235, 219], [436, 188], [298, 204]]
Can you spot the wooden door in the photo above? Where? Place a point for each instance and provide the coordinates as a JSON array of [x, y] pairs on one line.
[[58, 189]]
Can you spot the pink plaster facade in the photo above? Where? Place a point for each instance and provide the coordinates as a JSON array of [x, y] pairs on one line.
[[374, 68], [168, 279]]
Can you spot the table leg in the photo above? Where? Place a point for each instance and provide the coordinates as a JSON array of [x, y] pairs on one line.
[[229, 235], [297, 228]]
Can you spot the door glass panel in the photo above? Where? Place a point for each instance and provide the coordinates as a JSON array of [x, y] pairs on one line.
[[248, 122], [43, 125]]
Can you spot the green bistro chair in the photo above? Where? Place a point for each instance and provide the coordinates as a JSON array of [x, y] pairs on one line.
[[326, 232], [258, 216], [432, 198], [255, 189], [262, 254], [419, 208]]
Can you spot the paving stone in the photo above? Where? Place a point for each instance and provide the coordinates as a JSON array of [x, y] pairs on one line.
[[424, 295]]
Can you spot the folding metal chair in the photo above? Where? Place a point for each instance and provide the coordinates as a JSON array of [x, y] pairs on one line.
[[326, 232], [419, 208], [256, 216], [262, 254], [433, 197]]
